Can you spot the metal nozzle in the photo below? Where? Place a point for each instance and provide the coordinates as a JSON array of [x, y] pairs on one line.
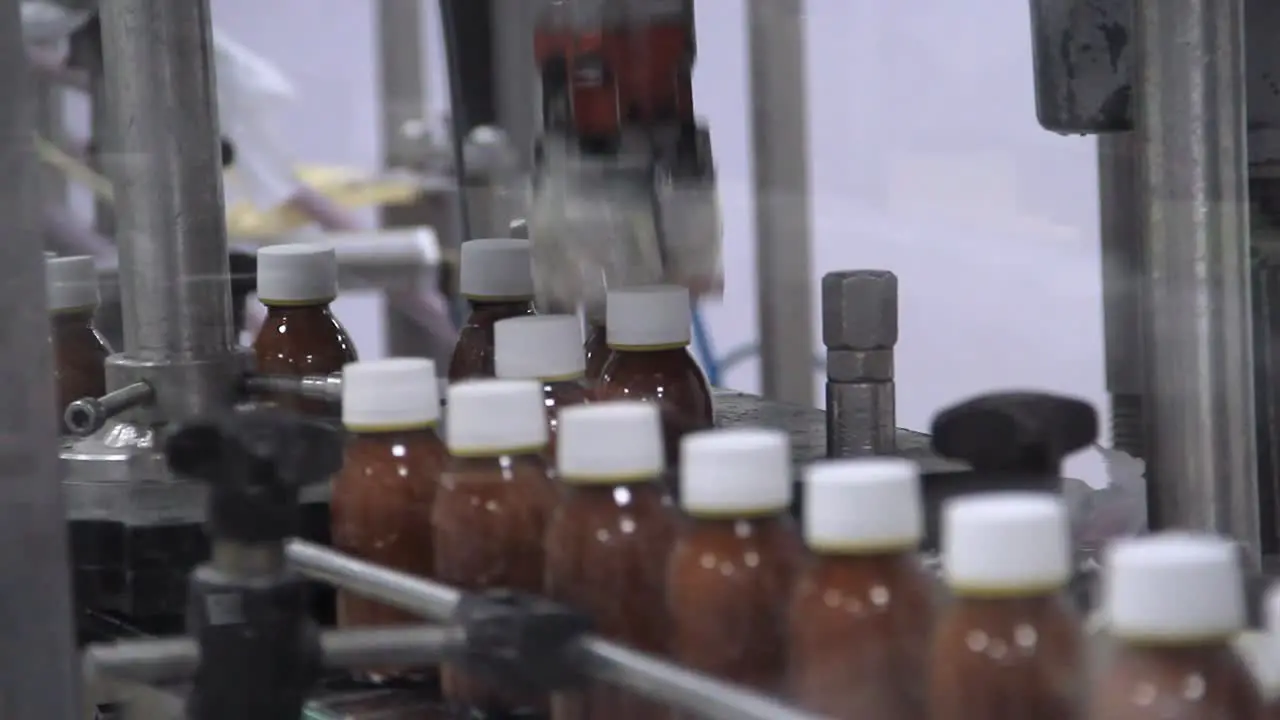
[[319, 387]]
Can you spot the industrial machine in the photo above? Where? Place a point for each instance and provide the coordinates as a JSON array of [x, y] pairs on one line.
[[135, 499]]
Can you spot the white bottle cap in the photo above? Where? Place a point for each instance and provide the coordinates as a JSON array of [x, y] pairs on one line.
[[539, 347], [496, 417], [390, 394], [1011, 544], [738, 472], [297, 274], [496, 269], [654, 317], [863, 506], [72, 283], [609, 442], [1173, 587]]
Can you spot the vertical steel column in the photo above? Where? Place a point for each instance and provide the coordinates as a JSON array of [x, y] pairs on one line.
[[166, 166], [780, 150], [516, 76], [39, 669], [1120, 226], [1199, 350]]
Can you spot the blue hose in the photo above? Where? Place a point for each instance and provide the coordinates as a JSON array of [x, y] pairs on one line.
[[703, 348]]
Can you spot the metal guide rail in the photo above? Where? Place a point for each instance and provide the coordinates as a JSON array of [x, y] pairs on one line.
[[471, 636]]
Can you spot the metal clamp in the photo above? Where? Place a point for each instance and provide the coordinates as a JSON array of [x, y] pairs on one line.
[[520, 640]]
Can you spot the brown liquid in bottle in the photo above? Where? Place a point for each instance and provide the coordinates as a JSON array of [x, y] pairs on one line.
[[597, 350], [488, 524], [669, 377], [1176, 683], [1006, 659], [298, 340], [562, 394], [859, 633], [473, 355], [728, 586], [79, 357], [605, 557], [381, 512]]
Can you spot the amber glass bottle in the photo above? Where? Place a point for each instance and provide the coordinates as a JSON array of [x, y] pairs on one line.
[[731, 570], [300, 335], [492, 508], [1268, 663], [649, 334], [495, 276], [382, 497], [79, 350], [861, 613], [1174, 603], [546, 348], [1009, 646], [605, 545]]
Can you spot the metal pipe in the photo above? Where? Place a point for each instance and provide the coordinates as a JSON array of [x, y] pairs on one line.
[[780, 148], [176, 659], [1119, 225], [1199, 348], [39, 677], [87, 416], [166, 165], [635, 671], [320, 387]]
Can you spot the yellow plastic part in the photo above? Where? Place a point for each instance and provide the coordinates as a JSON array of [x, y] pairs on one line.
[[346, 187]]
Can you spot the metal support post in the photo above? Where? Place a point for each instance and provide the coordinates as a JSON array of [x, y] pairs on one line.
[[860, 328], [39, 672], [1199, 349], [166, 165], [1122, 276], [780, 150]]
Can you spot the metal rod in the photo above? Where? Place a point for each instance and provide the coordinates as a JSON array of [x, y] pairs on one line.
[[39, 677], [1199, 349], [1120, 227], [667, 683], [166, 164], [175, 659], [780, 147], [430, 600], [87, 416], [320, 387], [640, 673]]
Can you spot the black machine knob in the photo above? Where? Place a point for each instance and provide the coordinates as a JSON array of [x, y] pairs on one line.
[[1017, 433], [255, 462]]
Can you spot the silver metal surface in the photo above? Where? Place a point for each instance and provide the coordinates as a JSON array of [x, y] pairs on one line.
[[39, 674], [516, 73], [87, 416], [182, 386], [166, 166], [175, 659], [431, 600], [1202, 464], [321, 387], [653, 678], [680, 688], [780, 148], [860, 329], [1120, 227]]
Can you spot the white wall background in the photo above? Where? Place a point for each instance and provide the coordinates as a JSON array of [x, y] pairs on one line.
[[925, 157]]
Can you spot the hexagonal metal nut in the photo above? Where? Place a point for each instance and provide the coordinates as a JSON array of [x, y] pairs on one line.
[[860, 309]]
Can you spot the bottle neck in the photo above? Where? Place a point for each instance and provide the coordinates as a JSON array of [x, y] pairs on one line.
[[77, 319], [317, 309], [491, 311]]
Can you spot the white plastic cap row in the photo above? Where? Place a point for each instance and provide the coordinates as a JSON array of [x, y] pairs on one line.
[[863, 506], [488, 417], [538, 347], [72, 283], [297, 273], [1005, 544], [496, 269], [609, 442]]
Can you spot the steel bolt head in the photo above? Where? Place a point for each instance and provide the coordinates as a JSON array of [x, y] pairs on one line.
[[860, 310]]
